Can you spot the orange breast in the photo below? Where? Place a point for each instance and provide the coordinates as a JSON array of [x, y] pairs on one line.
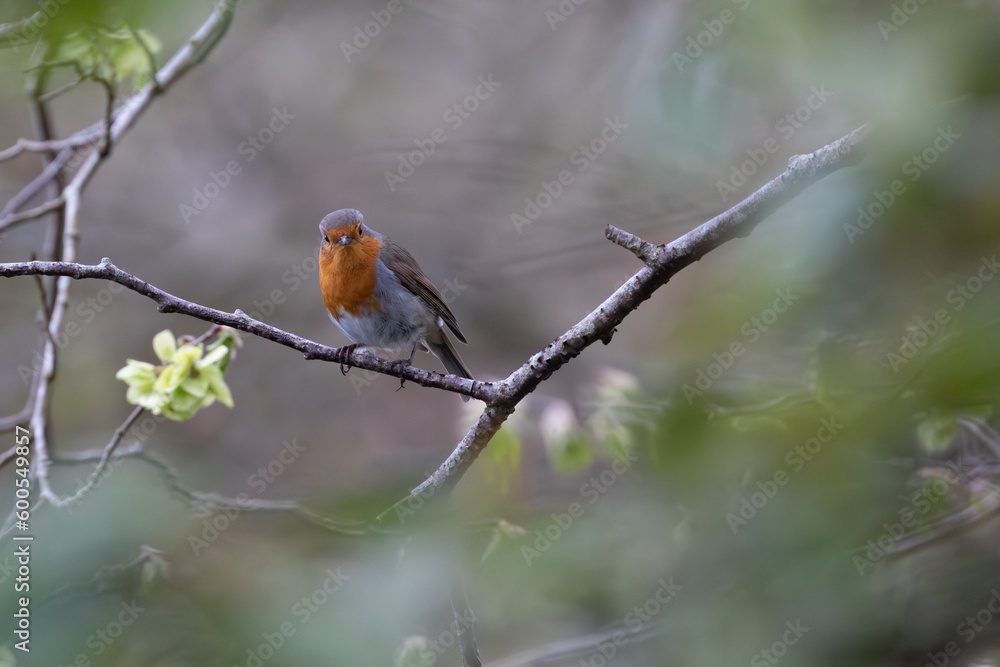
[[347, 276]]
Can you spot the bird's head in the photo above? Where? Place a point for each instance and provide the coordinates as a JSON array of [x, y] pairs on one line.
[[344, 231]]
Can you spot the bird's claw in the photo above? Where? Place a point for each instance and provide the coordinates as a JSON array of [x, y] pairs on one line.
[[343, 355], [401, 365]]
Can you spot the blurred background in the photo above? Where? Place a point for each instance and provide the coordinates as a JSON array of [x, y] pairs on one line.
[[786, 454]]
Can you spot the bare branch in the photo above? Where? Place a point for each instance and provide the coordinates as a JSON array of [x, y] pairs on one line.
[[168, 303], [7, 30], [45, 307], [16, 419], [988, 507], [662, 263], [51, 171], [14, 219], [65, 88], [102, 463], [21, 417], [464, 622], [467, 450], [564, 650], [642, 249], [8, 456], [124, 579], [212, 500], [81, 138], [150, 58]]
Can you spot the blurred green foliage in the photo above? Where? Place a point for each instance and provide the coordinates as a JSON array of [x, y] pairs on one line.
[[110, 54], [796, 436]]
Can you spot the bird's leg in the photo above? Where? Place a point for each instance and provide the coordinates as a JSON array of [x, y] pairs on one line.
[[343, 354], [404, 363]]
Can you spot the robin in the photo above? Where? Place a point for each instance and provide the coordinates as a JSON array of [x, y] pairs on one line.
[[378, 295]]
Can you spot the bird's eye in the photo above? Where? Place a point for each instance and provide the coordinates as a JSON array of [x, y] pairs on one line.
[[325, 240], [361, 231]]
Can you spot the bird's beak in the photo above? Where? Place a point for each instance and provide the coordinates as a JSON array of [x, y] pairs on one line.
[[344, 240]]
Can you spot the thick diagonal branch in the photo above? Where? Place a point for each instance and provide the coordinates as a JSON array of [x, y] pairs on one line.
[[662, 263]]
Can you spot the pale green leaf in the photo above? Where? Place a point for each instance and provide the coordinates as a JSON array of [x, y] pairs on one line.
[[164, 345]]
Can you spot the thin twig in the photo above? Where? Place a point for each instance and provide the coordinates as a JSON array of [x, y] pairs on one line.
[[124, 579], [465, 621], [8, 29], [109, 111], [102, 463], [642, 249], [54, 249], [562, 651], [44, 133], [212, 330], [24, 415], [194, 498], [51, 171], [150, 58], [81, 138], [46, 309], [14, 219], [65, 88], [8, 456], [987, 507], [16, 419]]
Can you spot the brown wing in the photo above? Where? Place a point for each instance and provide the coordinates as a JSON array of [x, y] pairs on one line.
[[402, 263]]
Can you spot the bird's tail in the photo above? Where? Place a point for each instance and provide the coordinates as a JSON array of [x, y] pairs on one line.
[[446, 352]]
